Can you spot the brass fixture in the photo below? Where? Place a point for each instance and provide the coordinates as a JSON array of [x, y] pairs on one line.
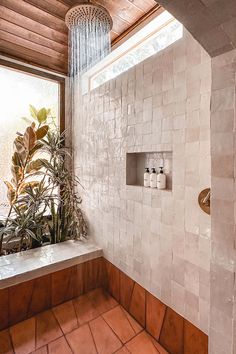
[[204, 200]]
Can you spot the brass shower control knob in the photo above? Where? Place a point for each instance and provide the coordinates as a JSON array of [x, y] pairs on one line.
[[204, 200]]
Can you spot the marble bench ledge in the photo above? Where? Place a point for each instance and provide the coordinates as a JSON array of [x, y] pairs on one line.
[[20, 267]]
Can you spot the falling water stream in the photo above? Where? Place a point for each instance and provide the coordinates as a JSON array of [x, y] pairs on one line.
[[89, 43]]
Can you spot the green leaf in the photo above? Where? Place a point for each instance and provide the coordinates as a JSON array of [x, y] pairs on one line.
[[33, 111], [42, 115]]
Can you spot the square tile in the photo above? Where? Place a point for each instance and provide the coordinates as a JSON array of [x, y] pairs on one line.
[[155, 312], [138, 304], [105, 339], [141, 344], [59, 346], [119, 323], [66, 316], [47, 329], [23, 336], [81, 341], [85, 309]]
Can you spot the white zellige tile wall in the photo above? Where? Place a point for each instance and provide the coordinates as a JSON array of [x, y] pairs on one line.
[[159, 238]]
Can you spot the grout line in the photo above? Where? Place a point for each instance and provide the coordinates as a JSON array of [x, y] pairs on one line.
[[124, 310], [11, 340], [93, 337], [113, 330], [132, 293], [68, 342], [73, 300]]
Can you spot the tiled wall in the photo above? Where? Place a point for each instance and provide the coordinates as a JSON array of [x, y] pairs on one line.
[[223, 142], [160, 239]]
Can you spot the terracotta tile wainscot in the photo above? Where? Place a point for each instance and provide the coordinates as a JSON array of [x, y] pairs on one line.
[[37, 280]]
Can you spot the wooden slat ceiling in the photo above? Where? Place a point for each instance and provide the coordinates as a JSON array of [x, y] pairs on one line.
[[34, 31]]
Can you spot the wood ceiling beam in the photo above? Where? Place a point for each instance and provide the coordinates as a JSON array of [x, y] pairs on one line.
[[36, 14], [36, 38], [39, 49], [53, 7], [31, 25], [30, 57]]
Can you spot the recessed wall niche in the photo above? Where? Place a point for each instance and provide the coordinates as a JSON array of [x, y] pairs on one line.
[[136, 162]]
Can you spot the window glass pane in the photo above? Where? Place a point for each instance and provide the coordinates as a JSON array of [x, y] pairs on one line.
[[164, 37], [17, 91]]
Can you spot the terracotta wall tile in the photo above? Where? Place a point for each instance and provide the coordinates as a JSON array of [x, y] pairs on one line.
[[19, 301], [93, 272], [195, 341], [4, 316], [113, 280], [155, 313], [172, 333], [41, 297], [138, 304], [126, 289], [64, 285]]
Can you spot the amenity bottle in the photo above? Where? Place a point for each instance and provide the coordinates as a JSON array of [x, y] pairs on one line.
[[161, 179], [146, 178], [153, 178]]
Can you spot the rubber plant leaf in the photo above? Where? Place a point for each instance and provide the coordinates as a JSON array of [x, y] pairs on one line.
[[26, 185], [42, 115], [29, 139], [37, 147], [17, 174], [16, 160], [35, 165], [11, 193], [41, 132], [33, 111]]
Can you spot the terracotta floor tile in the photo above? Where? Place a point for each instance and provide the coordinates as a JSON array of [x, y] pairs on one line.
[[81, 341], [42, 350], [23, 336], [5, 343], [101, 300], [141, 344], [85, 310], [135, 325], [122, 351], [66, 316], [47, 329], [105, 339], [160, 349], [118, 321], [59, 346]]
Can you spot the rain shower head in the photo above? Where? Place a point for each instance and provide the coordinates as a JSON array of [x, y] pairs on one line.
[[88, 11]]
